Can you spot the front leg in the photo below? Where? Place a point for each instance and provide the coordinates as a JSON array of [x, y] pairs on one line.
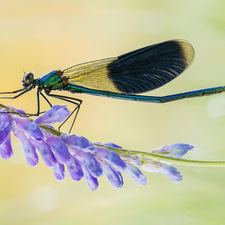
[[74, 101]]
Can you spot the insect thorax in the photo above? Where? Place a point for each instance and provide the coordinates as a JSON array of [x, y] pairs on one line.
[[53, 81]]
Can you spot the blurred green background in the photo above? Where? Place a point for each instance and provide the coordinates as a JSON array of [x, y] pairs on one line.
[[45, 35]]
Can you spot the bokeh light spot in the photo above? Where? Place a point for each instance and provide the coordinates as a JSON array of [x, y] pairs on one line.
[[44, 198]]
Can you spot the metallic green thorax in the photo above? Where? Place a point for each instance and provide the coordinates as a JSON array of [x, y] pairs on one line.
[[52, 81]]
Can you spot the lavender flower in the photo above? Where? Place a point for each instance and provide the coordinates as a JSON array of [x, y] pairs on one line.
[[82, 158]]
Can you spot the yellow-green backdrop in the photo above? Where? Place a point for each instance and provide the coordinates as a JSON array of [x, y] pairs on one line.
[[45, 35]]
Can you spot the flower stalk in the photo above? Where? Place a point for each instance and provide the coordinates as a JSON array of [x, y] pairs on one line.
[[126, 152]]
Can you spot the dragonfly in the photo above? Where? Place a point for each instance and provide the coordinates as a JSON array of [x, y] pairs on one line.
[[122, 77]]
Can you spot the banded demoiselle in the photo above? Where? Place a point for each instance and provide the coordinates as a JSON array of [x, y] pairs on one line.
[[121, 77]]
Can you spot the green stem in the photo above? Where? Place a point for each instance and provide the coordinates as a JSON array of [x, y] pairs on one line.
[[142, 155], [187, 162], [126, 152]]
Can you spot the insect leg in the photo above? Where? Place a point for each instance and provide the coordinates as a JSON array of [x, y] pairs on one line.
[[46, 99], [13, 92], [23, 91], [16, 96], [75, 101], [38, 106]]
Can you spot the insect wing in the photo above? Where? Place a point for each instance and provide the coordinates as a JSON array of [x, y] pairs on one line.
[[135, 72]]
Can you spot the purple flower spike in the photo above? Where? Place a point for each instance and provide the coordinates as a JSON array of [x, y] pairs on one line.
[[74, 169], [57, 113], [78, 142], [30, 128], [59, 148], [136, 174], [113, 177], [28, 148], [45, 152], [111, 157], [91, 181], [6, 148], [5, 125], [92, 165], [82, 158], [175, 150], [59, 171], [158, 167]]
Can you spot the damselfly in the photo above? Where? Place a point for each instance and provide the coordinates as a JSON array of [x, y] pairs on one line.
[[121, 77]]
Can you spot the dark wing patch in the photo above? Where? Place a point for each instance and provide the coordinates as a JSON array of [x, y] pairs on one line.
[[151, 67], [138, 71]]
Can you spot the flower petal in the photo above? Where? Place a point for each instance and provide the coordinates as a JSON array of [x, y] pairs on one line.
[[6, 148], [175, 150], [91, 181], [158, 167], [59, 148], [57, 113], [45, 152], [110, 144], [30, 128], [5, 125], [113, 177], [28, 148], [78, 142], [135, 174], [46, 133], [20, 111], [92, 165], [111, 157], [59, 171], [120, 175], [131, 158], [74, 169]]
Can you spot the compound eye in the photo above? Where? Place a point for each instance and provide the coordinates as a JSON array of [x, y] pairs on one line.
[[28, 79]]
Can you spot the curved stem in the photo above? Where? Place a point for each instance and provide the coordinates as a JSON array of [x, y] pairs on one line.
[[186, 162]]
